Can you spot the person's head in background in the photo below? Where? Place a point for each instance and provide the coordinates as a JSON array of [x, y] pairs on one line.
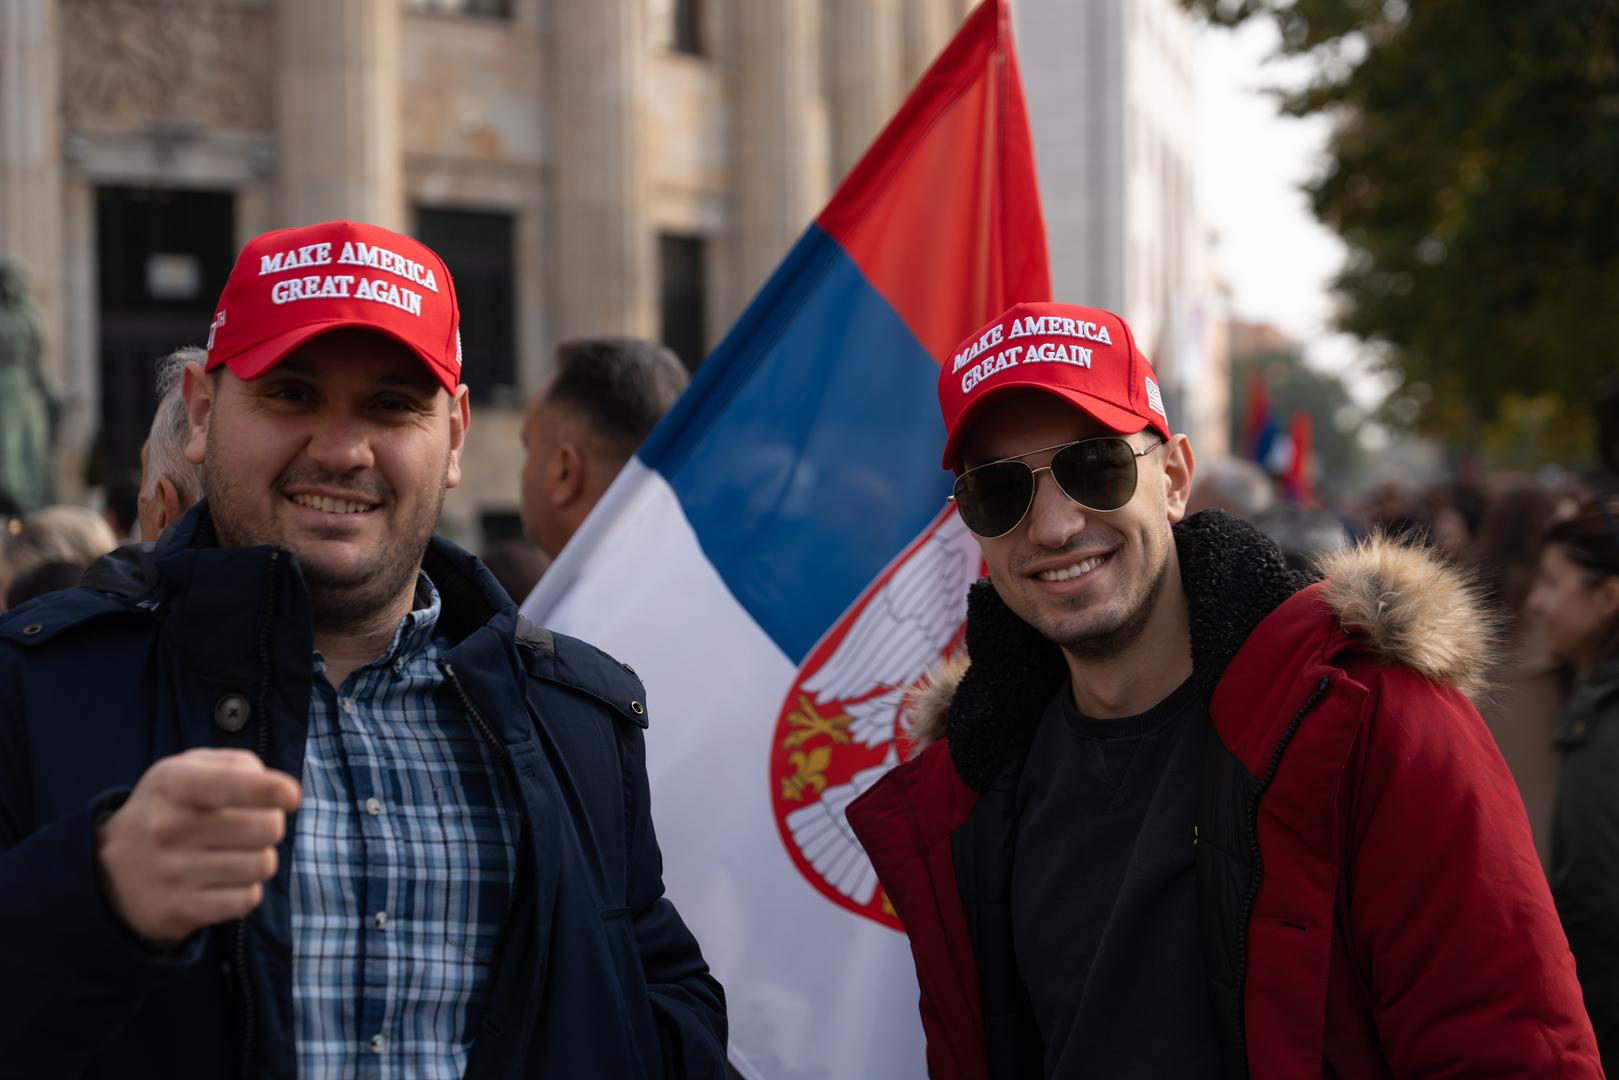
[[1506, 551], [65, 534], [585, 423], [169, 483], [1237, 486], [516, 564], [1576, 593], [1305, 534], [120, 504]]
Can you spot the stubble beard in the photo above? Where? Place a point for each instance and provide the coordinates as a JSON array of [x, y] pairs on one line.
[[339, 602], [1114, 641]]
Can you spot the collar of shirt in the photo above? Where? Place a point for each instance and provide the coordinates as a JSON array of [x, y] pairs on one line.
[[414, 633]]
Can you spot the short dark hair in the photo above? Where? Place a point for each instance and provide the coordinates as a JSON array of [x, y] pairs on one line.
[[620, 386]]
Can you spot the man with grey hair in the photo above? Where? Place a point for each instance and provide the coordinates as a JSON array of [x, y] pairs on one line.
[[169, 483], [585, 423]]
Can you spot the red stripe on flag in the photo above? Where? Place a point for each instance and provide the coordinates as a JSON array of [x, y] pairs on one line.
[[951, 175]]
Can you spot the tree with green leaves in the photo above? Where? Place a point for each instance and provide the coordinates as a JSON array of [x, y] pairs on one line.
[[1474, 175]]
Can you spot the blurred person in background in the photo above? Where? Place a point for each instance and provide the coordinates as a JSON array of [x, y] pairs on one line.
[[1235, 485], [1528, 686], [56, 534], [1454, 513], [1305, 534], [45, 578], [517, 566], [1576, 598], [585, 423], [169, 484], [120, 504]]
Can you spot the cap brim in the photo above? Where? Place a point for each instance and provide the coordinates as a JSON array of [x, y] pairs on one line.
[[1105, 413], [251, 363]]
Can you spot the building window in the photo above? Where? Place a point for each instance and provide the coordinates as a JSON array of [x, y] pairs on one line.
[[677, 25], [478, 248], [683, 296], [486, 9]]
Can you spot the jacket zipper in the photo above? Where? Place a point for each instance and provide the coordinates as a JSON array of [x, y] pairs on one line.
[[472, 710], [262, 748], [1259, 871]]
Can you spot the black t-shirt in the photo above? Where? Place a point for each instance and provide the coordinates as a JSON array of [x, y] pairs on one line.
[[1104, 897]]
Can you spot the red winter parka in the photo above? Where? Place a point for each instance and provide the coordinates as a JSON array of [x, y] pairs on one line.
[[1370, 900]]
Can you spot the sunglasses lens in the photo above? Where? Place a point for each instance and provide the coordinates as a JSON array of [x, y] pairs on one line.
[[993, 498], [1097, 473]]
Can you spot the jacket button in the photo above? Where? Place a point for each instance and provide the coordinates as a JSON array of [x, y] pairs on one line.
[[637, 708], [232, 712], [32, 628]]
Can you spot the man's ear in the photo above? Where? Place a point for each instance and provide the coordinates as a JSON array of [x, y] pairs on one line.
[[1608, 596], [460, 420], [567, 474], [197, 388], [167, 497], [1179, 467]]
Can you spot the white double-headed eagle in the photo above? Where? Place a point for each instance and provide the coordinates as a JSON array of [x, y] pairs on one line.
[[904, 631]]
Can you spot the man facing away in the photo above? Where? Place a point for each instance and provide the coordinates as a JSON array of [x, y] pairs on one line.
[[297, 792], [170, 485], [1188, 813], [583, 425]]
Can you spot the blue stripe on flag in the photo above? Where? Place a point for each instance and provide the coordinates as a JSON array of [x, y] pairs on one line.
[[805, 453]]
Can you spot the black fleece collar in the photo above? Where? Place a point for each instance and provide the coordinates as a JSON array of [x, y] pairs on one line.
[[1233, 575]]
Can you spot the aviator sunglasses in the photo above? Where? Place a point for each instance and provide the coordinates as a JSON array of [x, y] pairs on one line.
[[1098, 474]]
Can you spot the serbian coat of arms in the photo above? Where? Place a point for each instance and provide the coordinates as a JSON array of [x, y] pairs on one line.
[[845, 720]]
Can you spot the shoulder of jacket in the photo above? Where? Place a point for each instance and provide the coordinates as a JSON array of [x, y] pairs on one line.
[[52, 618], [579, 666], [1407, 607]]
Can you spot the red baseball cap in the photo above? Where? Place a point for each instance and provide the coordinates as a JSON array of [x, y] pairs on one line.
[[292, 285], [1085, 356]]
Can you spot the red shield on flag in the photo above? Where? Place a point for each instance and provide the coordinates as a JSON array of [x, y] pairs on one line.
[[845, 721]]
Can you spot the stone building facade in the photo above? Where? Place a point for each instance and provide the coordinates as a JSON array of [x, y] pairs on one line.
[[583, 152], [585, 166]]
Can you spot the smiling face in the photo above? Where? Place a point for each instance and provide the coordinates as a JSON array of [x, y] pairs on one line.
[[1092, 582], [340, 454]]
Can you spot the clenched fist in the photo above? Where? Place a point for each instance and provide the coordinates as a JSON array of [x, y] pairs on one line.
[[195, 841]]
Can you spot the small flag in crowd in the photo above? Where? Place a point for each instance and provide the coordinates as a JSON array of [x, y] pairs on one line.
[[779, 560]]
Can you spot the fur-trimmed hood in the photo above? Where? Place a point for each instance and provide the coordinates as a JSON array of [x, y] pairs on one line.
[[1404, 604]]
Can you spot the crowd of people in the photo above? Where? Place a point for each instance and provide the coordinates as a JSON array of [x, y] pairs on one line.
[[333, 430]]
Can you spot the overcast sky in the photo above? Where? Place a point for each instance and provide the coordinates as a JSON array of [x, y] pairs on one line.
[[1273, 254]]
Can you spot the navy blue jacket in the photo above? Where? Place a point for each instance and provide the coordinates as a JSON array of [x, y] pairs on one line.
[[161, 651]]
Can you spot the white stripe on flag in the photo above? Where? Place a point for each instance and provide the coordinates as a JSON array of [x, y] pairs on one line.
[[812, 990]]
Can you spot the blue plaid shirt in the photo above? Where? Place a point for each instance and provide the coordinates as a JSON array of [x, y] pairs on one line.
[[402, 866]]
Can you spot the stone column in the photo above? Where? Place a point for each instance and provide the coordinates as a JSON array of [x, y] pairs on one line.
[[339, 112], [928, 27], [863, 71], [780, 175], [602, 252], [31, 156]]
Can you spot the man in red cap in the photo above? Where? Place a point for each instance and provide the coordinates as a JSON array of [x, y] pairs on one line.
[[1181, 811], [298, 792]]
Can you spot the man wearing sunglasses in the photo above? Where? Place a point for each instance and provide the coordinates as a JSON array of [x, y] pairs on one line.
[[1184, 811]]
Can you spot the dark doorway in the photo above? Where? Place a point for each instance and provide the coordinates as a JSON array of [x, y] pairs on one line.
[[162, 257]]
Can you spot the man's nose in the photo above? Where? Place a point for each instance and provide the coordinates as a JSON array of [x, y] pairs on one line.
[[341, 444], [1054, 518]]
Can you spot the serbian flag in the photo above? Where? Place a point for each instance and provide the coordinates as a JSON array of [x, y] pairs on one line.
[[780, 559], [1259, 430]]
